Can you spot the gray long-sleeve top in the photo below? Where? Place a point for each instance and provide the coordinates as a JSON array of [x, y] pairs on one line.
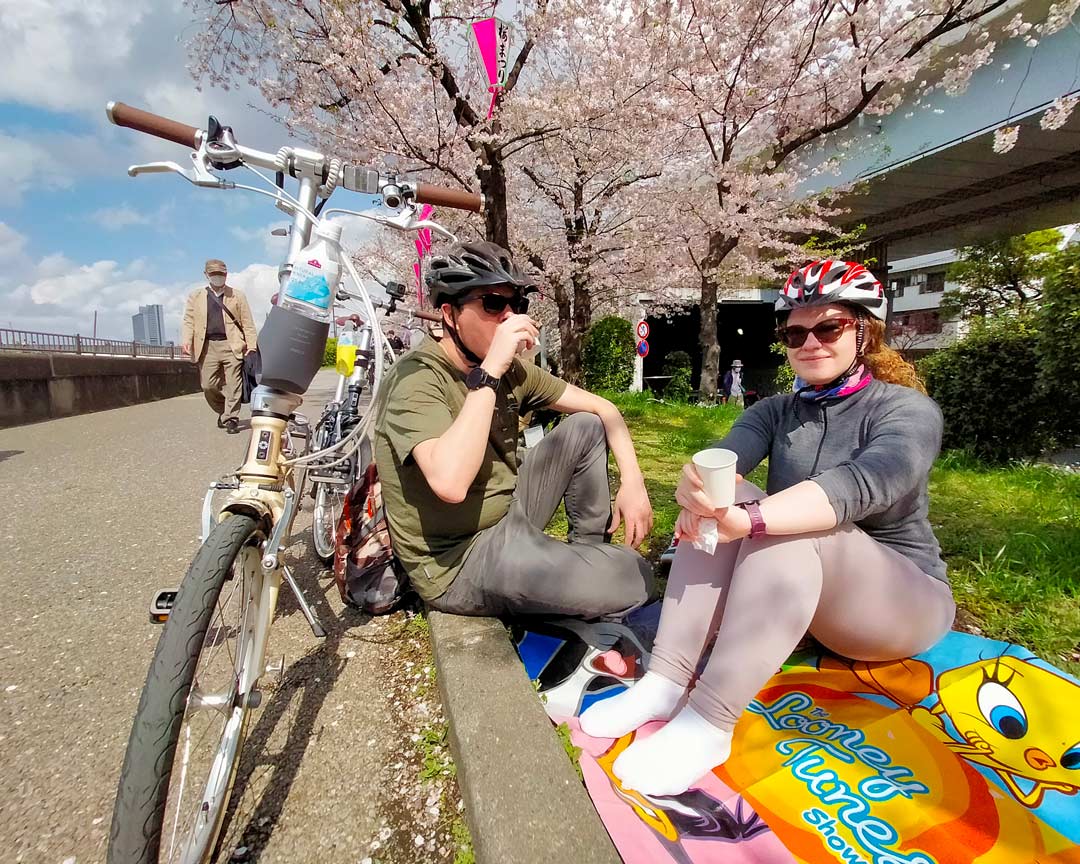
[[871, 452]]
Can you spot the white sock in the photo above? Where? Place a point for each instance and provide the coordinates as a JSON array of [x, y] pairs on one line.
[[654, 697], [669, 761]]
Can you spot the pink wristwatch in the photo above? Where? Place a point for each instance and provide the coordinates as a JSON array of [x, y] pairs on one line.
[[757, 523]]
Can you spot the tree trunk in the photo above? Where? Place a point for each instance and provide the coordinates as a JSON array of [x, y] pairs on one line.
[[710, 345], [570, 345], [492, 174], [720, 246]]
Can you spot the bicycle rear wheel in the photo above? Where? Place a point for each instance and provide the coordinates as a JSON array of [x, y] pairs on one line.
[[185, 742]]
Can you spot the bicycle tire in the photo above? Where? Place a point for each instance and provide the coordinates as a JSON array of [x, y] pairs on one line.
[[143, 790], [324, 518]]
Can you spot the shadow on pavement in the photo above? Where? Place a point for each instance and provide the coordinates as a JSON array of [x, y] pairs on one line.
[[7, 454]]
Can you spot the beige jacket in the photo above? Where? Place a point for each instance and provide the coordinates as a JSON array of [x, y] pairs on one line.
[[193, 328]]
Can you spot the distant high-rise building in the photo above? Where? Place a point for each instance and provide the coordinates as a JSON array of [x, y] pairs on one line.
[[149, 325]]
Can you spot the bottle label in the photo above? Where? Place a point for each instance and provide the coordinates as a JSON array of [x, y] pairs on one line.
[[308, 285]]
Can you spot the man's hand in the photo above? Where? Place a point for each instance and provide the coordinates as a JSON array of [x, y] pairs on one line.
[[250, 351], [516, 334], [632, 507]]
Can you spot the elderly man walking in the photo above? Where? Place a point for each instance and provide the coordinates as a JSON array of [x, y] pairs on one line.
[[217, 332]]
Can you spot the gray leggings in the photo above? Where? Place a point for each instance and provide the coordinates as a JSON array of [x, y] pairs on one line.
[[514, 568], [857, 597]]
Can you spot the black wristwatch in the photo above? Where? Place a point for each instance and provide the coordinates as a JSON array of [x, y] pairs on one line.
[[479, 377]]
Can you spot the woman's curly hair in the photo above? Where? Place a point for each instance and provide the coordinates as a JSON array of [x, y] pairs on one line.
[[885, 363]]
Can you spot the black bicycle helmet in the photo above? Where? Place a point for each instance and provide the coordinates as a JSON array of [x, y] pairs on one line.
[[470, 265]]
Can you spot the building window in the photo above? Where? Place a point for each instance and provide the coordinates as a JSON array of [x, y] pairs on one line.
[[898, 286], [935, 283], [926, 323]]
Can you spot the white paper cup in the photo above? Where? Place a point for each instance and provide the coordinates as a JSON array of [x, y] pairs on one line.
[[716, 468]]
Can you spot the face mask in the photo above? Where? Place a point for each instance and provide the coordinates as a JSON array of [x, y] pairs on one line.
[[217, 281]]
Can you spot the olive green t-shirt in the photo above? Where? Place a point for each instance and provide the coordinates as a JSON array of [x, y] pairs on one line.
[[423, 394]]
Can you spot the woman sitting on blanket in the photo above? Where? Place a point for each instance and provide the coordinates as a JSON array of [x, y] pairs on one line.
[[841, 546]]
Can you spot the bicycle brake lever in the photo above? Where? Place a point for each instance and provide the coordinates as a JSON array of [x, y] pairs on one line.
[[199, 176], [157, 168]]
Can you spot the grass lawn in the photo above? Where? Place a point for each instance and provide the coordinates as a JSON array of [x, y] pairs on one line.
[[1011, 536]]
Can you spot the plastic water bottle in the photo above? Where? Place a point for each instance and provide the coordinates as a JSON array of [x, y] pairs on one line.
[[346, 352], [316, 271], [292, 342]]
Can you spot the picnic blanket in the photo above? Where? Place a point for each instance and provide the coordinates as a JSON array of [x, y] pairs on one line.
[[968, 752]]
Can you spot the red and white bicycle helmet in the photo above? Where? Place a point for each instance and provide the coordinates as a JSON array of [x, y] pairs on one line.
[[828, 281]]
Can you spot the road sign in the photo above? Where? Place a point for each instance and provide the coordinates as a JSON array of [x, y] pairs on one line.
[[642, 329], [643, 348]]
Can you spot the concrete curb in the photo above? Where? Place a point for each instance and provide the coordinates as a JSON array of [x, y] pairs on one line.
[[523, 800]]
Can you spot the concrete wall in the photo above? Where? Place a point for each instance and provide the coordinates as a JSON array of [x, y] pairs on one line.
[[36, 387]]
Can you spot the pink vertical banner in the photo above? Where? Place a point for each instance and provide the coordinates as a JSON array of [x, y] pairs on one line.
[[492, 38], [423, 247]]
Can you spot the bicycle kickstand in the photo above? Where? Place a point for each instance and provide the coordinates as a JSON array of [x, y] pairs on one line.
[[309, 614]]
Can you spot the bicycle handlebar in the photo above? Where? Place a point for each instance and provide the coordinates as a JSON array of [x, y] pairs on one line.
[[149, 123], [427, 316], [439, 196], [153, 124]]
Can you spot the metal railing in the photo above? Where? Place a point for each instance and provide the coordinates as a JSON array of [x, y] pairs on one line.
[[31, 340]]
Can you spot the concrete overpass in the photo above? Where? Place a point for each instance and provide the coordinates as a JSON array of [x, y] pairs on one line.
[[929, 177]]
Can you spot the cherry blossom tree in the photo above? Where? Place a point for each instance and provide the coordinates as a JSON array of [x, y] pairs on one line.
[[388, 80], [762, 84]]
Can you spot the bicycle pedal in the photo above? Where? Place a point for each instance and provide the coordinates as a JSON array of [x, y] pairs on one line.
[[161, 605]]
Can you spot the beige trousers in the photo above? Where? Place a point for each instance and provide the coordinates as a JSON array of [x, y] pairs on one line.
[[220, 374], [857, 597]]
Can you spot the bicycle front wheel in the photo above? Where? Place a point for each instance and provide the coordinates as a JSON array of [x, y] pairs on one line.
[[185, 743]]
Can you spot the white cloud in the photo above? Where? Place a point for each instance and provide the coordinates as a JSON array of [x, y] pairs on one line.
[[58, 53], [118, 218], [12, 245], [61, 296], [273, 247], [47, 161]]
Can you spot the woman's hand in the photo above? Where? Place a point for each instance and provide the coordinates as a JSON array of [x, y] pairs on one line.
[[691, 493], [733, 523]]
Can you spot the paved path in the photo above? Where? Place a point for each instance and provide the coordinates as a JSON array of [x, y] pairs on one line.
[[98, 511]]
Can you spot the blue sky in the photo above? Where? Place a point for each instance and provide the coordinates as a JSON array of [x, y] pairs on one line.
[[76, 233]]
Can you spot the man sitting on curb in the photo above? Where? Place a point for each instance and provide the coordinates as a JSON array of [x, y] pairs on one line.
[[467, 521]]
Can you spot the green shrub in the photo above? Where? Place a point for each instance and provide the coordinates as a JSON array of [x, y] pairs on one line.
[[1058, 343], [329, 357], [677, 360], [608, 355], [680, 367], [986, 385], [784, 379]]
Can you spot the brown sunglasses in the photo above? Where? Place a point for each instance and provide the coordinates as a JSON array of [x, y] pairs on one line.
[[826, 332]]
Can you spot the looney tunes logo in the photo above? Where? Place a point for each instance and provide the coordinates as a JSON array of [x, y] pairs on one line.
[[822, 742]]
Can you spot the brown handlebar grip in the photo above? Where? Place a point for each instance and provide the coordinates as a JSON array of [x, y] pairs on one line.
[[427, 316], [458, 199], [152, 124]]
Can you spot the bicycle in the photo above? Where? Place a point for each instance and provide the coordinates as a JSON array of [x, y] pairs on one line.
[[203, 683], [330, 483]]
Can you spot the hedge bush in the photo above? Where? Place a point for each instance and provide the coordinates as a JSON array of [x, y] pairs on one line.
[[608, 354], [1058, 343], [329, 357], [987, 387]]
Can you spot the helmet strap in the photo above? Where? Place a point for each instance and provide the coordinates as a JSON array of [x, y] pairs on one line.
[[461, 346], [860, 339]]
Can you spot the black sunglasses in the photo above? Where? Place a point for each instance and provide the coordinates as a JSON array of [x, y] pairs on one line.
[[826, 332], [495, 304]]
